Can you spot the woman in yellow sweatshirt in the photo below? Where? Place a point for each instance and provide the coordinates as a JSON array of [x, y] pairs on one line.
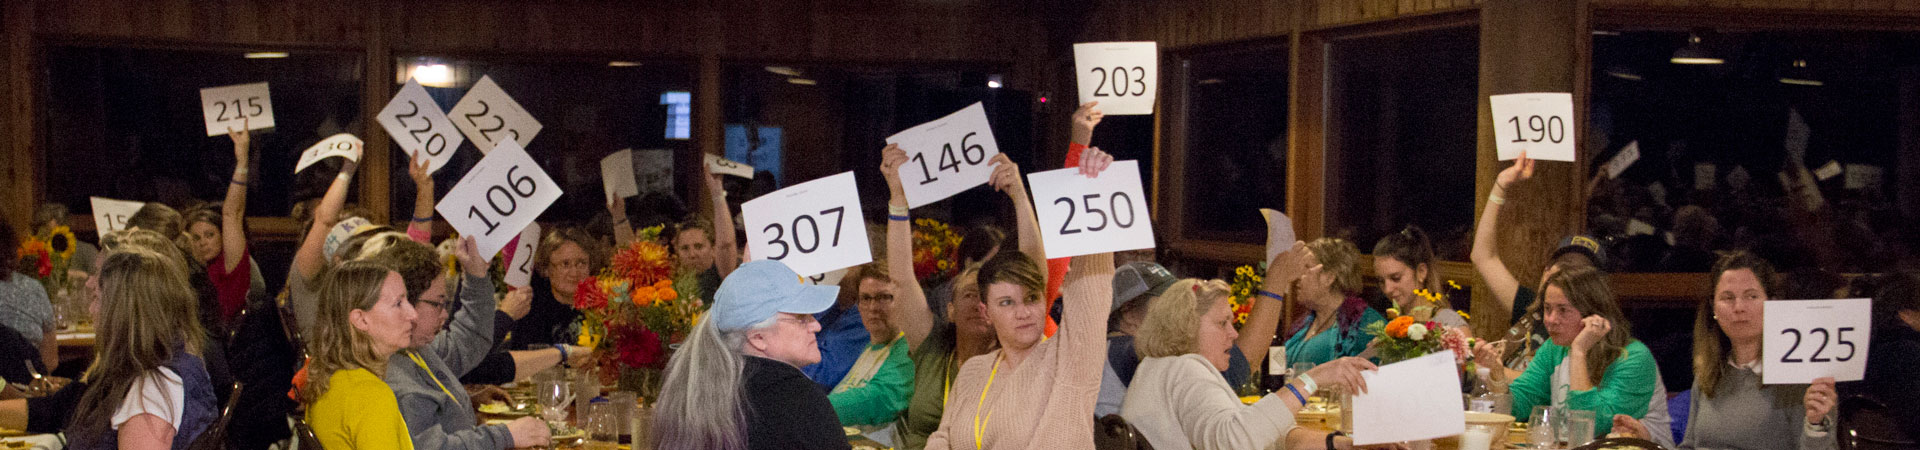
[[363, 318]]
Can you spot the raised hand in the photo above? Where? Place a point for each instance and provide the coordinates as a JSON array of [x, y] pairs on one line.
[[422, 179], [1006, 176], [517, 303], [1084, 119], [1093, 161], [242, 142], [1287, 267], [470, 260], [891, 158], [1521, 170]]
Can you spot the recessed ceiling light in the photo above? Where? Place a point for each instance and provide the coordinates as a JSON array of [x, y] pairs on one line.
[[622, 64], [265, 55], [802, 81]]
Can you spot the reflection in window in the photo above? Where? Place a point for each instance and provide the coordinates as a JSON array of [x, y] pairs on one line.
[[760, 149], [1797, 146], [126, 123], [679, 114], [588, 109], [1236, 149], [1401, 140]]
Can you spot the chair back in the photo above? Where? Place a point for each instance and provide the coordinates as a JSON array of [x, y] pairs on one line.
[[1114, 433], [215, 436], [303, 437], [1867, 424]]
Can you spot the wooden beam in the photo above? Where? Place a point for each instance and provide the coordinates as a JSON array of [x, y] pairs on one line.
[[20, 161]]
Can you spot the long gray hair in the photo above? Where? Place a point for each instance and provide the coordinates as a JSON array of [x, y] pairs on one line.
[[701, 406]]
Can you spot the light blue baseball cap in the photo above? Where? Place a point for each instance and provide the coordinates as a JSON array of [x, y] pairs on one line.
[[758, 290]]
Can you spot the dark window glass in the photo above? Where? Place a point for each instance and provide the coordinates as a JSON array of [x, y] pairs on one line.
[[1401, 139], [1236, 142]]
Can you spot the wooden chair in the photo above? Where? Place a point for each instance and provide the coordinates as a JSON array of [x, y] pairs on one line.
[[1620, 442], [1114, 433], [1866, 424], [215, 436]]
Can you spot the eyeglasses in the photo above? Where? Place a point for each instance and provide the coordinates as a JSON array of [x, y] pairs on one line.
[[438, 305]]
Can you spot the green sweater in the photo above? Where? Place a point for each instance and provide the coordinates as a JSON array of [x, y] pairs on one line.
[[879, 400], [1626, 388]]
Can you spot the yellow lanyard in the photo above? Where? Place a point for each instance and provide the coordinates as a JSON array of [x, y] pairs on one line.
[[979, 425], [436, 379], [947, 392]]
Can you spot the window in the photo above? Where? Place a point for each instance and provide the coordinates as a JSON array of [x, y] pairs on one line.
[[1235, 142], [1799, 146], [588, 109], [799, 123], [1401, 136], [126, 123]]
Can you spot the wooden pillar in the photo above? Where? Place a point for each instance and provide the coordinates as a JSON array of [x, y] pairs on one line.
[[1530, 46], [375, 173], [708, 131], [20, 167]]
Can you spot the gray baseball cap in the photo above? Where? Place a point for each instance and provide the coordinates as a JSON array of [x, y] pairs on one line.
[[1138, 280]]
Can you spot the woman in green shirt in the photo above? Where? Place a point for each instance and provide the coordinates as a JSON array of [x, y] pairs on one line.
[[875, 391], [1592, 362], [1336, 320]]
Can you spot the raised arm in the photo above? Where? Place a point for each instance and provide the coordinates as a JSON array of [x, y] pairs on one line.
[[726, 254], [1006, 178], [622, 229], [469, 336], [1486, 240], [909, 301], [1264, 320], [233, 212], [312, 255], [420, 227]]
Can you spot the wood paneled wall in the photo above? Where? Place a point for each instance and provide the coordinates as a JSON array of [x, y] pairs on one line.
[[1005, 32], [1823, 5]]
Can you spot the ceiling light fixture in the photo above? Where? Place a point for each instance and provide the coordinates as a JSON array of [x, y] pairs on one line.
[[1695, 53]]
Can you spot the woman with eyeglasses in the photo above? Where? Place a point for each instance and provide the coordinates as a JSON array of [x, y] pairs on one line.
[[566, 257], [873, 394]]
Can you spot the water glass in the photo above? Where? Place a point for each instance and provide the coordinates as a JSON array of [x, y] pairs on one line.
[[1540, 427], [1576, 428], [1479, 436], [601, 426], [624, 404]]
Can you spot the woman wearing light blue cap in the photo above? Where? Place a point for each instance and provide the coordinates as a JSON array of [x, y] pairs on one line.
[[736, 382]]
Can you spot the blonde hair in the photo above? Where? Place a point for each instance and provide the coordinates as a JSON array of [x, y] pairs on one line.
[[1340, 258], [1172, 326], [336, 345], [148, 312]]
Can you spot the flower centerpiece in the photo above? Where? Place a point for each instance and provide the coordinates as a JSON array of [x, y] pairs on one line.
[[44, 256], [936, 250], [635, 310], [1242, 292], [1414, 333]]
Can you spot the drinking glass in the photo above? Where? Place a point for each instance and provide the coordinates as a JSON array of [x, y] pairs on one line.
[[1576, 428], [1479, 436], [554, 395], [1540, 427], [602, 426], [624, 404]]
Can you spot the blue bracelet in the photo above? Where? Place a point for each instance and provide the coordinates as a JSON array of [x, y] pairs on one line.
[[1296, 394], [898, 218], [1264, 293], [563, 363], [423, 219]]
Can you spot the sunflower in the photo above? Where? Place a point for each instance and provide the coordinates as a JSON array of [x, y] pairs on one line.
[[62, 240]]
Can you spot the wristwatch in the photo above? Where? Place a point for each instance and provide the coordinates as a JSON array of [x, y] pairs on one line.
[[1330, 436]]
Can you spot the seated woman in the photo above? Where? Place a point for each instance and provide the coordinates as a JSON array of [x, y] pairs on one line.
[[1508, 291], [1179, 400], [364, 317], [24, 307], [736, 381], [873, 394], [1404, 261], [148, 388], [1592, 362], [1730, 408], [1336, 320], [566, 256], [1032, 392]]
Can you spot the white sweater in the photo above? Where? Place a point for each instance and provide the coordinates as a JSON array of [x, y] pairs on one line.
[[1181, 402]]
